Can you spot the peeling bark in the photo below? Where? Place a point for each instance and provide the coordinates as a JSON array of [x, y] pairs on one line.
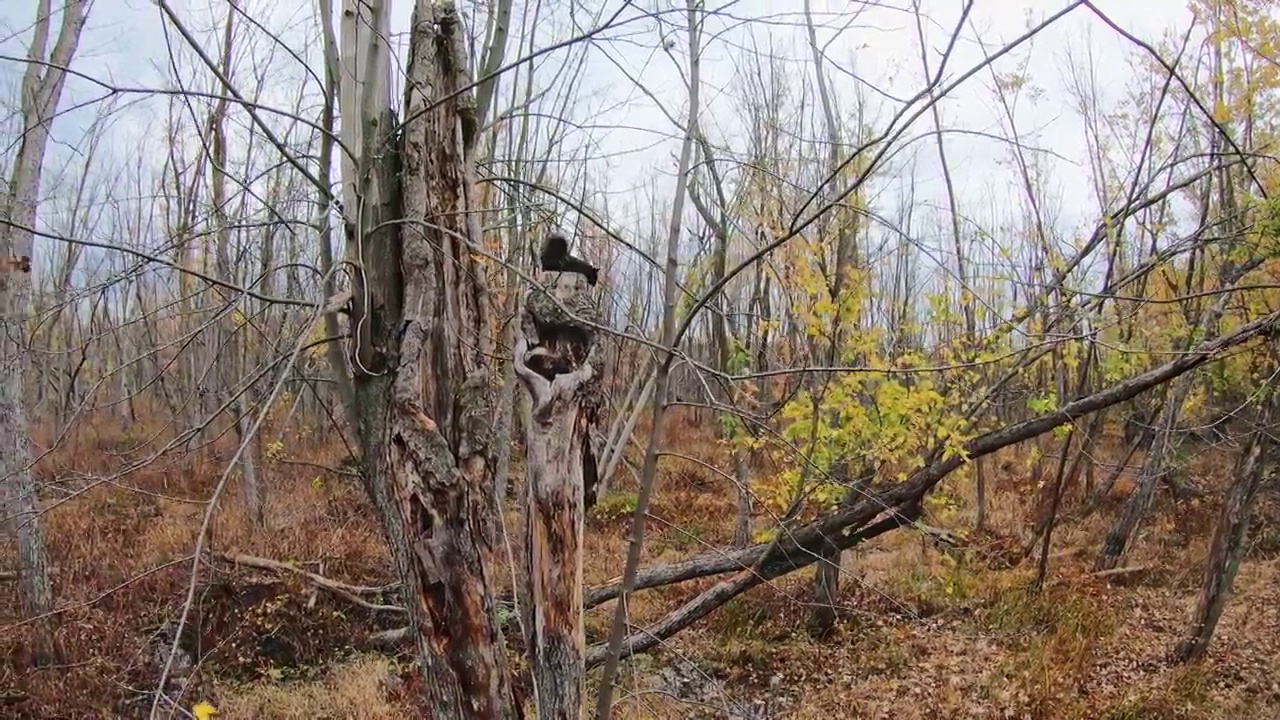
[[553, 358], [420, 351]]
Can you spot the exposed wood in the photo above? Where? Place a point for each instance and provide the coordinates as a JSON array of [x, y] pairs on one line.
[[419, 352], [394, 636], [553, 358], [1115, 572], [19, 263]]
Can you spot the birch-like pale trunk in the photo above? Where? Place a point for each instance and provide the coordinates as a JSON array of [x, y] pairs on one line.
[[42, 87], [338, 369]]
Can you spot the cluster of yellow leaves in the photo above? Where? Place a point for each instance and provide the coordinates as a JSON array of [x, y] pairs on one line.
[[870, 415]]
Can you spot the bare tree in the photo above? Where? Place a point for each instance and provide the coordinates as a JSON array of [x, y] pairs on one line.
[[42, 86], [617, 632]]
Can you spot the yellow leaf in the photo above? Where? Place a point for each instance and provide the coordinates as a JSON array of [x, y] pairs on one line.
[[203, 710]]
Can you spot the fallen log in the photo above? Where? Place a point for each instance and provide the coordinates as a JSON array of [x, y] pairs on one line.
[[350, 593]]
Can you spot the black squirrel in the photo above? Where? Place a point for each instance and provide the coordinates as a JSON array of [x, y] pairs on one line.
[[555, 256]]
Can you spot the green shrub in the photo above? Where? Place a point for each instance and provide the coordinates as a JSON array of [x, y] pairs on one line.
[[614, 506]]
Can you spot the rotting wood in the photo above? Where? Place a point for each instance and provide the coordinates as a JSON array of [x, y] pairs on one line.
[[419, 350], [15, 263], [553, 359], [1115, 572]]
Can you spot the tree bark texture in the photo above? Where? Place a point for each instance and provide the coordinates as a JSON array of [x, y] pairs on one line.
[[1155, 468], [229, 337], [1255, 466], [648, 472], [553, 357], [419, 312]]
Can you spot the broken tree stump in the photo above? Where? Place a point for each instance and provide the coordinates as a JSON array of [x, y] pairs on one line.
[[554, 353]]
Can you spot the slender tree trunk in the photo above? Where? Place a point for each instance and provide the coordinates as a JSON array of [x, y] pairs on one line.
[[662, 377], [232, 338], [967, 293], [1154, 467], [617, 442], [1255, 465], [826, 578], [41, 92], [731, 356], [503, 428], [742, 515], [338, 369], [506, 403]]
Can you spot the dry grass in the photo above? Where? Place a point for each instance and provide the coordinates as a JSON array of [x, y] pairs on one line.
[[360, 688], [921, 633]]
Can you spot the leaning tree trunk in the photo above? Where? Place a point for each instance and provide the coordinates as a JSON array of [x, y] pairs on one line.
[[419, 312], [1156, 466], [42, 85], [553, 357], [1229, 534]]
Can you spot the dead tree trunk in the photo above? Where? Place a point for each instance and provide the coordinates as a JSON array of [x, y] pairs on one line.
[[42, 85], [419, 313], [1229, 534], [553, 357]]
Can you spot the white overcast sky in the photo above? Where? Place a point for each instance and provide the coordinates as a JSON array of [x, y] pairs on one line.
[[125, 43]]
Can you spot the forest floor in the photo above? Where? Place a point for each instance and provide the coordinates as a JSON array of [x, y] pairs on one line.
[[922, 632]]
